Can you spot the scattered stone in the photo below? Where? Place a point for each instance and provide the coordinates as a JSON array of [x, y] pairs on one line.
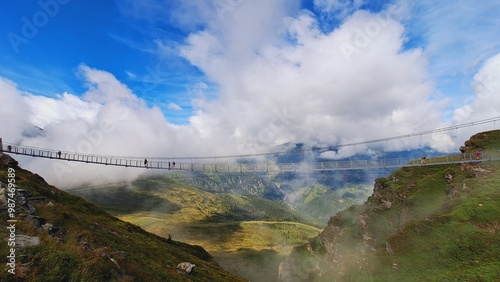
[[37, 221], [388, 204], [47, 227], [85, 246], [394, 266], [26, 241], [186, 267], [54, 231], [448, 175], [114, 262], [388, 248]]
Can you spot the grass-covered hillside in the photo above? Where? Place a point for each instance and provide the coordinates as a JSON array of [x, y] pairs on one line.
[[432, 223], [61, 237], [247, 235], [245, 184], [318, 202]]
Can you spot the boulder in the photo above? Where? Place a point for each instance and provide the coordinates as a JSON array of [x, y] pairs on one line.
[[26, 241], [186, 267]]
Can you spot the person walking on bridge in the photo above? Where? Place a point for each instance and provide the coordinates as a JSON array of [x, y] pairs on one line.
[[146, 162], [422, 159], [462, 150]]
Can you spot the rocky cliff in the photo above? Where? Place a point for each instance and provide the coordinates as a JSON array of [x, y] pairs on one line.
[[429, 223]]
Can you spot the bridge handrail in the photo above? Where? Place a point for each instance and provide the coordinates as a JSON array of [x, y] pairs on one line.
[[257, 167]]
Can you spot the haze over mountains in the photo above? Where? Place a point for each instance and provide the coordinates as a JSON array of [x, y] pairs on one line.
[[411, 212], [245, 82], [224, 78]]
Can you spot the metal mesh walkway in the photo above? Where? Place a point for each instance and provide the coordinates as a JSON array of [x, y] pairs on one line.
[[182, 164]]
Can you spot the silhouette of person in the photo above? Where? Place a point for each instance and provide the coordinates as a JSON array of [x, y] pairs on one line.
[[173, 165], [145, 162], [169, 165], [59, 154], [9, 148], [462, 150]]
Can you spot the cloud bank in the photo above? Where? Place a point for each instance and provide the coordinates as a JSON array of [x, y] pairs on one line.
[[278, 79]]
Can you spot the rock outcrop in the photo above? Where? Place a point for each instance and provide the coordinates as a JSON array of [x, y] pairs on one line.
[[359, 242]]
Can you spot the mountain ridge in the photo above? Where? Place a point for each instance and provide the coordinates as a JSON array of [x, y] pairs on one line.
[[61, 237], [433, 223]]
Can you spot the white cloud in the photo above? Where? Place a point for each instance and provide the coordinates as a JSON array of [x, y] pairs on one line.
[[63, 108], [131, 74], [457, 37], [375, 90], [108, 120], [485, 102], [174, 106], [340, 8], [279, 79], [14, 112]]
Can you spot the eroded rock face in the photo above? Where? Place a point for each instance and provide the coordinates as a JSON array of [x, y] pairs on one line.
[[474, 169], [349, 236], [448, 175]]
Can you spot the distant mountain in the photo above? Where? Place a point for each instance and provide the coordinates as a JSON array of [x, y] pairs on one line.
[[433, 223], [245, 184], [339, 189], [61, 237]]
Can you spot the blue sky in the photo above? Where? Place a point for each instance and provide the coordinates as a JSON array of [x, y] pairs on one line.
[[239, 76], [94, 33], [122, 38]]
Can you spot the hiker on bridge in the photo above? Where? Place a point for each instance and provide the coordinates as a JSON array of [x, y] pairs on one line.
[[478, 155], [9, 148], [169, 164], [173, 165], [59, 154], [146, 162], [462, 150], [422, 159]]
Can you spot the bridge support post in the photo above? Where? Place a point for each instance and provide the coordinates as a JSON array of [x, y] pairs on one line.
[[1, 146]]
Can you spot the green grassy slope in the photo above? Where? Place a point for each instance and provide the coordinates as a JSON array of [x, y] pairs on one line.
[[247, 184], [246, 235], [84, 243], [174, 201], [318, 202], [435, 223]]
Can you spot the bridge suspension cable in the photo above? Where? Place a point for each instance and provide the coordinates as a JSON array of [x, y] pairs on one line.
[[386, 139], [270, 168]]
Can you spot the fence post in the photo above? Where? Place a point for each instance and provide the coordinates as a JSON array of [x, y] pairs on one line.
[[1, 146]]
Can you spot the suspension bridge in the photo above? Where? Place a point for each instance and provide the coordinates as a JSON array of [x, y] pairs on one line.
[[181, 164]]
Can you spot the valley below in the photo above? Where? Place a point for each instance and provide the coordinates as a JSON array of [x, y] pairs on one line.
[[246, 235]]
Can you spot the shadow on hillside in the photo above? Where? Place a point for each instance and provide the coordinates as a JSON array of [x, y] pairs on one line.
[[122, 200], [216, 233], [255, 265]]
